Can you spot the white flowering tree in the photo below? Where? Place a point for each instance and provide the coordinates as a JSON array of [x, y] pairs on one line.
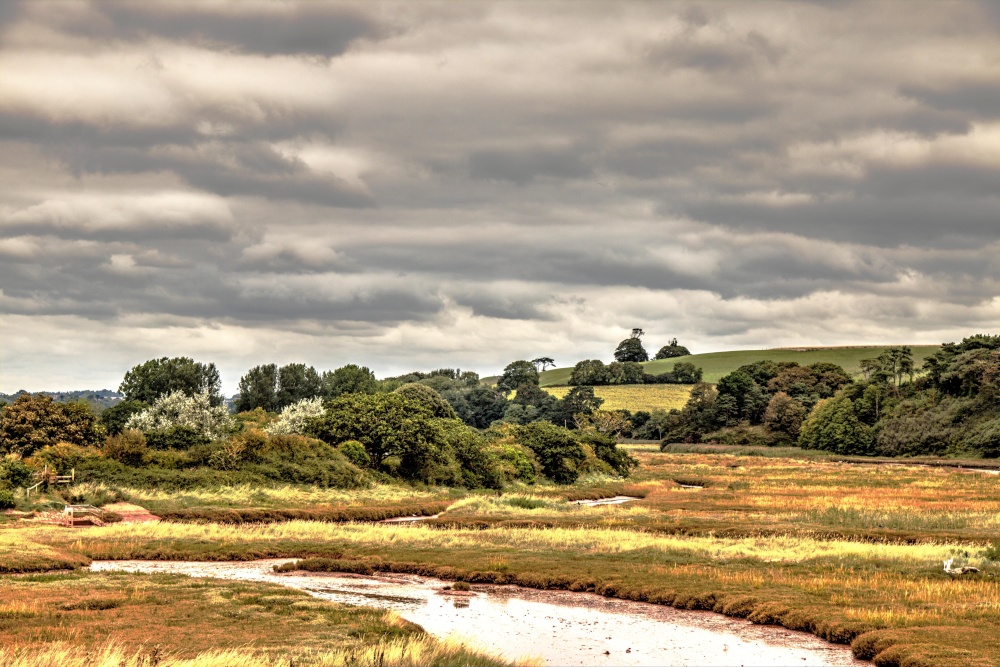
[[295, 418], [178, 409]]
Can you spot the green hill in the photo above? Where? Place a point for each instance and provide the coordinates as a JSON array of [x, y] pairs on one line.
[[717, 364]]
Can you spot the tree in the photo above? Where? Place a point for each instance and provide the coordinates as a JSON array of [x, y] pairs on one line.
[[784, 414], [428, 398], [114, 418], [541, 363], [387, 425], [631, 348], [259, 389], [34, 421], [297, 382], [686, 373], [517, 373], [556, 449], [158, 377], [349, 379], [672, 350], [295, 419], [897, 362], [485, 405], [195, 414], [624, 372], [590, 372], [834, 426]]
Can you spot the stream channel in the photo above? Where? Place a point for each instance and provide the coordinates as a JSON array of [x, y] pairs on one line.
[[561, 627]]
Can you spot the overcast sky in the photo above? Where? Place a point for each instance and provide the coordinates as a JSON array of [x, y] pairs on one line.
[[415, 185]]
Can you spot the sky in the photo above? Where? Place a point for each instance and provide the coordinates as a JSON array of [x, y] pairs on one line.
[[410, 186]]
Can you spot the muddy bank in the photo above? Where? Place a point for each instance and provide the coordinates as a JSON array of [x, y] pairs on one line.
[[561, 627]]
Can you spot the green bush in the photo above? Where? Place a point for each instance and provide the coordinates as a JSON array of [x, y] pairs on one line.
[[355, 453], [129, 447], [177, 437], [7, 500], [14, 474]]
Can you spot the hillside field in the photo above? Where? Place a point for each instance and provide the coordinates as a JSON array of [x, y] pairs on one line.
[[635, 397], [718, 364]]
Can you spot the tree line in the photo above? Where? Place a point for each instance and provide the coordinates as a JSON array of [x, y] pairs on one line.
[[947, 407], [337, 428]]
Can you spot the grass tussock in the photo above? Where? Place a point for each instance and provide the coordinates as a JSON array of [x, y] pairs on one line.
[[407, 652]]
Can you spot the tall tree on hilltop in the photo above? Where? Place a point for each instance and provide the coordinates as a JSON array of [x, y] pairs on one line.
[[631, 348]]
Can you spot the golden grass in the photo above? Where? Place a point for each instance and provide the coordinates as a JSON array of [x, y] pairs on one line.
[[405, 652], [635, 397], [285, 496]]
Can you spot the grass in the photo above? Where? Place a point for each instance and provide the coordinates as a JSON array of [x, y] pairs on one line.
[[635, 397], [717, 364], [848, 552], [90, 620], [839, 589]]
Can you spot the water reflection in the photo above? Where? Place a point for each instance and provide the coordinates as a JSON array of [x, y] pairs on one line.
[[563, 628]]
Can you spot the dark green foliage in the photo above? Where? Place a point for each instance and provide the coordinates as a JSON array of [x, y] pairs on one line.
[[7, 501], [594, 372], [517, 373], [258, 389], [114, 418], [481, 406], [672, 350], [272, 389], [699, 416], [685, 373], [477, 466], [429, 398], [834, 426], [984, 438], [356, 453], [34, 421], [556, 449], [607, 450], [591, 372], [14, 474], [129, 447], [349, 379], [631, 348], [157, 377], [178, 437], [297, 382]]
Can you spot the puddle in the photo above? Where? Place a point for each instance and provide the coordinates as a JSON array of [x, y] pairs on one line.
[[561, 627], [410, 519], [617, 500]]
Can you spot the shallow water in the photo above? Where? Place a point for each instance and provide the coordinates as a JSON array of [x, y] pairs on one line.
[[561, 627], [617, 500]]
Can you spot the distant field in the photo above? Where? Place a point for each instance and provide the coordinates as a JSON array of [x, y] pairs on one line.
[[635, 397], [718, 364]]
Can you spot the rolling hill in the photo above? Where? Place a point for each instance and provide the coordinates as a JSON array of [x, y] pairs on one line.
[[717, 364]]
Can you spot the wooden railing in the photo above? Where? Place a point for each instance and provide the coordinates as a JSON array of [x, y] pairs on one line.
[[49, 477], [83, 515]]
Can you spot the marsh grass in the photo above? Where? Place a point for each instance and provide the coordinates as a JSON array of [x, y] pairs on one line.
[[405, 652], [97, 620]]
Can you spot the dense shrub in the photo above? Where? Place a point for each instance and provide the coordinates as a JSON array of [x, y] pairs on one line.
[[7, 501], [63, 457], [14, 474], [129, 447], [556, 449], [177, 437], [355, 452], [427, 397], [296, 418], [834, 426], [116, 417], [34, 421], [178, 410]]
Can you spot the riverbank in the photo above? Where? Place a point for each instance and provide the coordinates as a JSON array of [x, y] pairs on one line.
[[850, 553], [557, 626]]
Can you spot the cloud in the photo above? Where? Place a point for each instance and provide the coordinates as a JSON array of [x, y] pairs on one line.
[[413, 186]]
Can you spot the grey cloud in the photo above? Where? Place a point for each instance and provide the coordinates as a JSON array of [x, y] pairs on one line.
[[308, 28], [510, 167], [524, 166], [979, 98]]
